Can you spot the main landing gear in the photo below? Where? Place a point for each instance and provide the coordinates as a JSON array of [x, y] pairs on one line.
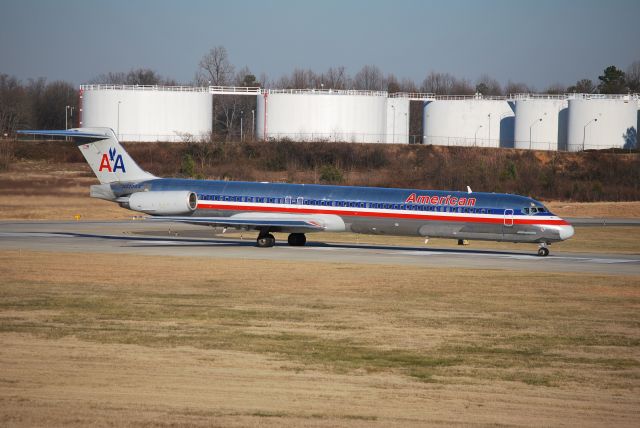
[[266, 240], [543, 251], [297, 239]]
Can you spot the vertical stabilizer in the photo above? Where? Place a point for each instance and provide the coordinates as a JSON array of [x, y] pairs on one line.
[[104, 153]]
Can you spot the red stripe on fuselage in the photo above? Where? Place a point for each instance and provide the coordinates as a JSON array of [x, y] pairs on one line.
[[466, 218]]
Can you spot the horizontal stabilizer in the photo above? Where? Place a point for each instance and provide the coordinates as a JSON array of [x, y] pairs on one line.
[[65, 133]]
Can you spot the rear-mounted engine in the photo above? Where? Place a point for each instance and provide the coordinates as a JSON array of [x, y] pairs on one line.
[[163, 203]]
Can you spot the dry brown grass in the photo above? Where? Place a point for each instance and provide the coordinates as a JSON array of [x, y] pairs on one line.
[[98, 339], [596, 209]]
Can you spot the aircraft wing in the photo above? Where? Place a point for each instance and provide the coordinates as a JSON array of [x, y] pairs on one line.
[[274, 223]]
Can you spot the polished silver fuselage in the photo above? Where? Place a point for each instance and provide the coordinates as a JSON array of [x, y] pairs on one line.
[[378, 211]]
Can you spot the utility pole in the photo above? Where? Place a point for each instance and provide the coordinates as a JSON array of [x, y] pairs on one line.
[[119, 102], [533, 123], [475, 136]]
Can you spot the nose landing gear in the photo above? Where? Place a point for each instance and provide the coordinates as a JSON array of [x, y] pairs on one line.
[[543, 251]]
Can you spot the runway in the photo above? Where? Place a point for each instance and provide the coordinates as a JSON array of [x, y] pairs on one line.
[[142, 238]]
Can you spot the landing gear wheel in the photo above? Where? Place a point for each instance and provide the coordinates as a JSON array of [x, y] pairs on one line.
[[543, 251], [266, 241], [297, 239]]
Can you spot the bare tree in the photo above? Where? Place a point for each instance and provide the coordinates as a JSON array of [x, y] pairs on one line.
[[110, 78], [462, 87], [517, 88], [408, 85], [50, 101], [144, 76], [335, 78], [264, 81], [392, 84], [369, 78], [487, 85], [215, 68], [556, 89], [137, 76], [583, 86], [438, 83], [633, 76], [303, 79], [14, 105]]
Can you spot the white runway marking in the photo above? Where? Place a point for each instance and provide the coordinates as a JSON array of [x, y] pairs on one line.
[[424, 253]]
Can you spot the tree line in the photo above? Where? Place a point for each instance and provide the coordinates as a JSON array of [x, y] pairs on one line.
[[53, 105]]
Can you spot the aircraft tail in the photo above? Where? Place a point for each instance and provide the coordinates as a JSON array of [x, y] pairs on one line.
[[102, 150]]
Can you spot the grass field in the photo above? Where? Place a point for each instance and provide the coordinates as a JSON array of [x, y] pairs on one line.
[[92, 339]]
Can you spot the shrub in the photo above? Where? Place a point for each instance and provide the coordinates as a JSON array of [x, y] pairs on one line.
[[188, 167], [6, 154], [331, 174]]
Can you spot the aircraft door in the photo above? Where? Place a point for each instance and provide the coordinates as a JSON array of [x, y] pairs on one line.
[[507, 223], [508, 217]]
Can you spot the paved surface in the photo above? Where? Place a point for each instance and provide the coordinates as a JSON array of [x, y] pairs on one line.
[[602, 221], [142, 238]]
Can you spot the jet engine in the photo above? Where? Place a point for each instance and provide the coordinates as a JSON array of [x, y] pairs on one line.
[[163, 202]]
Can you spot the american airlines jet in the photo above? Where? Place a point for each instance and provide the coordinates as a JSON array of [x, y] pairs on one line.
[[299, 209]]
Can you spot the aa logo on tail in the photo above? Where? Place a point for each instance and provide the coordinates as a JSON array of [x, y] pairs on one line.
[[112, 162]]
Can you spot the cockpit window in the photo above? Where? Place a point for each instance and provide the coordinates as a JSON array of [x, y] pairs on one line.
[[525, 210], [535, 210]]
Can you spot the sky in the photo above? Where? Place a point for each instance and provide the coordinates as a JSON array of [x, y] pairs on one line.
[[538, 42]]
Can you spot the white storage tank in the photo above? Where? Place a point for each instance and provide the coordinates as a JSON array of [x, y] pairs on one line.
[[398, 120], [602, 122], [148, 113], [328, 115], [541, 123], [468, 122]]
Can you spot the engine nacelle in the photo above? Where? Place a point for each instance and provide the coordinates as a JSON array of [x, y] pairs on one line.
[[171, 202]]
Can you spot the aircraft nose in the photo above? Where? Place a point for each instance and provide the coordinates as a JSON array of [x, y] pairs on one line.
[[566, 232]]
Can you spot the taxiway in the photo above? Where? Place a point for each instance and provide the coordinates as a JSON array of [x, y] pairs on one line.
[[145, 238]]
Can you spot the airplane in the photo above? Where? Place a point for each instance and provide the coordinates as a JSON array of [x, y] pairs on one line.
[[298, 209]]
